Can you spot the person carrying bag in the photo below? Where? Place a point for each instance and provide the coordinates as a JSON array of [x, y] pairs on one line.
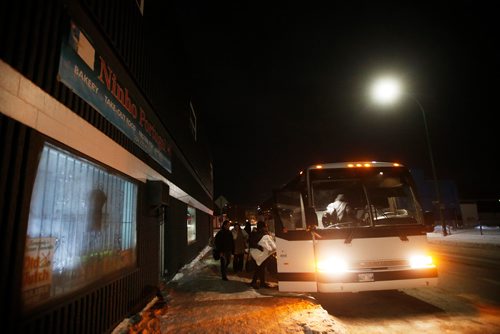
[[249, 263], [262, 247]]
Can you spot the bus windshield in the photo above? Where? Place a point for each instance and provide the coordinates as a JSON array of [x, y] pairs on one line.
[[346, 198]]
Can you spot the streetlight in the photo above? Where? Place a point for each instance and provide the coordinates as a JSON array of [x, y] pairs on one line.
[[388, 90]]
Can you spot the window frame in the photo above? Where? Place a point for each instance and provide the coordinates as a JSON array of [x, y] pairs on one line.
[[108, 170]]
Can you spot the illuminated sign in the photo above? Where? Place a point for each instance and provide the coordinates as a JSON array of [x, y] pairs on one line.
[[92, 78]]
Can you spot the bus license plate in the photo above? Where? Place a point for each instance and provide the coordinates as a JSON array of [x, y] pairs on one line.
[[365, 277]]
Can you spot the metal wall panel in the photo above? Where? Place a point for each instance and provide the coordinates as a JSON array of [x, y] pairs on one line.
[[18, 149]]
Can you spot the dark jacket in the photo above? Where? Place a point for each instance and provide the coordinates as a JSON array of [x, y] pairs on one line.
[[224, 241], [248, 229], [255, 237]]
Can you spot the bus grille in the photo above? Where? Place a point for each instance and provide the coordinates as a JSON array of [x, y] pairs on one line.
[[374, 264]]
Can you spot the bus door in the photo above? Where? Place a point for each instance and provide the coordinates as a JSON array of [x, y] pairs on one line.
[[295, 247]]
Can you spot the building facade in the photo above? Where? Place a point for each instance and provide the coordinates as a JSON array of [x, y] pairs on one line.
[[105, 177]]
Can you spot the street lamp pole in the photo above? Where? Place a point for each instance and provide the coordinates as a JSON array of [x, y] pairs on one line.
[[434, 174], [387, 90]]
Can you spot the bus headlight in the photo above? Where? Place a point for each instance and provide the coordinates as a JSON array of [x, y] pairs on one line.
[[421, 261], [332, 265]]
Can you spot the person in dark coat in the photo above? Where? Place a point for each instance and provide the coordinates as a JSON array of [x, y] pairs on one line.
[[262, 246], [225, 245]]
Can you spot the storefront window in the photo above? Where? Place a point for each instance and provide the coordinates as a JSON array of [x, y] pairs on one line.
[[191, 224], [82, 226]]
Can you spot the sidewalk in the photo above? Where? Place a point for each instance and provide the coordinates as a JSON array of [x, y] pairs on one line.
[[197, 300]]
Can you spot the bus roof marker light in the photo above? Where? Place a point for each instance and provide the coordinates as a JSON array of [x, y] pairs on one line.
[[359, 165], [319, 166], [368, 165], [395, 164], [350, 165]]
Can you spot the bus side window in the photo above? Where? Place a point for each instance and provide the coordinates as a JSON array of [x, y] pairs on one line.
[[289, 205], [297, 220], [286, 216]]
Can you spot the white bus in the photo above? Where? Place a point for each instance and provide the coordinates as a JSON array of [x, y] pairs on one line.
[[381, 244]]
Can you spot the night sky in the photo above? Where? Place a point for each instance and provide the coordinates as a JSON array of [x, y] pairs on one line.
[[280, 87]]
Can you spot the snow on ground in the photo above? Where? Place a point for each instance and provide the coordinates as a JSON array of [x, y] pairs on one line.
[[197, 300], [474, 237]]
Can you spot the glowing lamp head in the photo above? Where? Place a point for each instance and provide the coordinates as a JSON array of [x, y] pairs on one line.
[[386, 91]]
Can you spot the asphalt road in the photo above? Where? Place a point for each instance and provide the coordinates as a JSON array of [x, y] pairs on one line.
[[467, 299], [470, 270]]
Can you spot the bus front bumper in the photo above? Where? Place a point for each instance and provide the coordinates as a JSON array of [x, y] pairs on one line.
[[355, 281]]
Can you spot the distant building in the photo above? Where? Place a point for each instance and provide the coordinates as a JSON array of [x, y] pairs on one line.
[[469, 213], [481, 211]]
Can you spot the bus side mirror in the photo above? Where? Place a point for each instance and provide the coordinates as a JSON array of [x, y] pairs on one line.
[[311, 217]]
